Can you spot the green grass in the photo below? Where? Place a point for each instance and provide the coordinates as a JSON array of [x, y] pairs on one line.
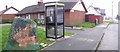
[[5, 32], [86, 24], [42, 37], [108, 21], [68, 34], [38, 24]]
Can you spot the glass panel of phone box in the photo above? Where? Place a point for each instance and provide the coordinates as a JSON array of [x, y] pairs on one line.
[[51, 21]]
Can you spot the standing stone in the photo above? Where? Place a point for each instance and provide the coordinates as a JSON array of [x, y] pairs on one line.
[[23, 35]]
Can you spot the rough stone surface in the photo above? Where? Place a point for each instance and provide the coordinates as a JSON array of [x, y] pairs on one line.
[[23, 35]]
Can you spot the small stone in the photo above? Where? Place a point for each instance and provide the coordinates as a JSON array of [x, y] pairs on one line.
[[44, 45]]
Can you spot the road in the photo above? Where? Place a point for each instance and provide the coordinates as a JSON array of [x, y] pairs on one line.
[[110, 39], [83, 40]]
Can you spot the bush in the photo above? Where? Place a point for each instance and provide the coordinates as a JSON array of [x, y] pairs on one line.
[[37, 20], [7, 21], [86, 24]]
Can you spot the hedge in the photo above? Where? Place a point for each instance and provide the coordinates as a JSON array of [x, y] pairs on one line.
[[7, 21]]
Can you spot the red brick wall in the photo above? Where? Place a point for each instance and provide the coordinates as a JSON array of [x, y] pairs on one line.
[[33, 16], [92, 18], [100, 19], [67, 17], [75, 17], [23, 16], [8, 16]]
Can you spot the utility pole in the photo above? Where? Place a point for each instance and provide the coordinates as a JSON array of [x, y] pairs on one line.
[[112, 11]]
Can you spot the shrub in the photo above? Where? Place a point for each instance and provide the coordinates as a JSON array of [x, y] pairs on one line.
[[86, 24], [7, 20], [37, 21]]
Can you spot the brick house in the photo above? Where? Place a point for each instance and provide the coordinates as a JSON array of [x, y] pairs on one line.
[[33, 12], [8, 13], [93, 14], [74, 12]]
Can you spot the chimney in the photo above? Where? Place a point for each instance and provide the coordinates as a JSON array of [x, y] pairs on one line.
[[40, 3], [6, 7]]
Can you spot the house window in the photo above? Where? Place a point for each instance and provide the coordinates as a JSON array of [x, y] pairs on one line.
[[41, 18], [38, 16], [18, 17], [28, 16]]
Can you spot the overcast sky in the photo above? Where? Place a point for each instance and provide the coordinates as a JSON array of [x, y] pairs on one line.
[[104, 4]]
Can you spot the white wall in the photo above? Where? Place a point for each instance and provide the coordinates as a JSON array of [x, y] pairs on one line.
[[91, 10], [78, 7], [11, 11]]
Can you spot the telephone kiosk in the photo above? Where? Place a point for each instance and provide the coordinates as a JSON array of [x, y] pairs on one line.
[[54, 20]]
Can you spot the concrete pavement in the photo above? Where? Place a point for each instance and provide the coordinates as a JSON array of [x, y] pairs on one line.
[[4, 24], [82, 40], [110, 39], [119, 35]]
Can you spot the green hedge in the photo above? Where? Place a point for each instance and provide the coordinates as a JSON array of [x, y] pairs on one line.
[[7, 21], [86, 24]]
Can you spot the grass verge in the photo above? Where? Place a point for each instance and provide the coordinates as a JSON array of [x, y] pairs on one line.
[[68, 34], [108, 21], [86, 24]]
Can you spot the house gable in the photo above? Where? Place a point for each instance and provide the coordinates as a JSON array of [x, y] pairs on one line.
[[91, 10], [78, 6], [11, 11]]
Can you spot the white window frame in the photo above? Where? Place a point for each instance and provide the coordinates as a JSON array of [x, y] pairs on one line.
[[28, 16], [42, 17], [18, 16], [39, 16]]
